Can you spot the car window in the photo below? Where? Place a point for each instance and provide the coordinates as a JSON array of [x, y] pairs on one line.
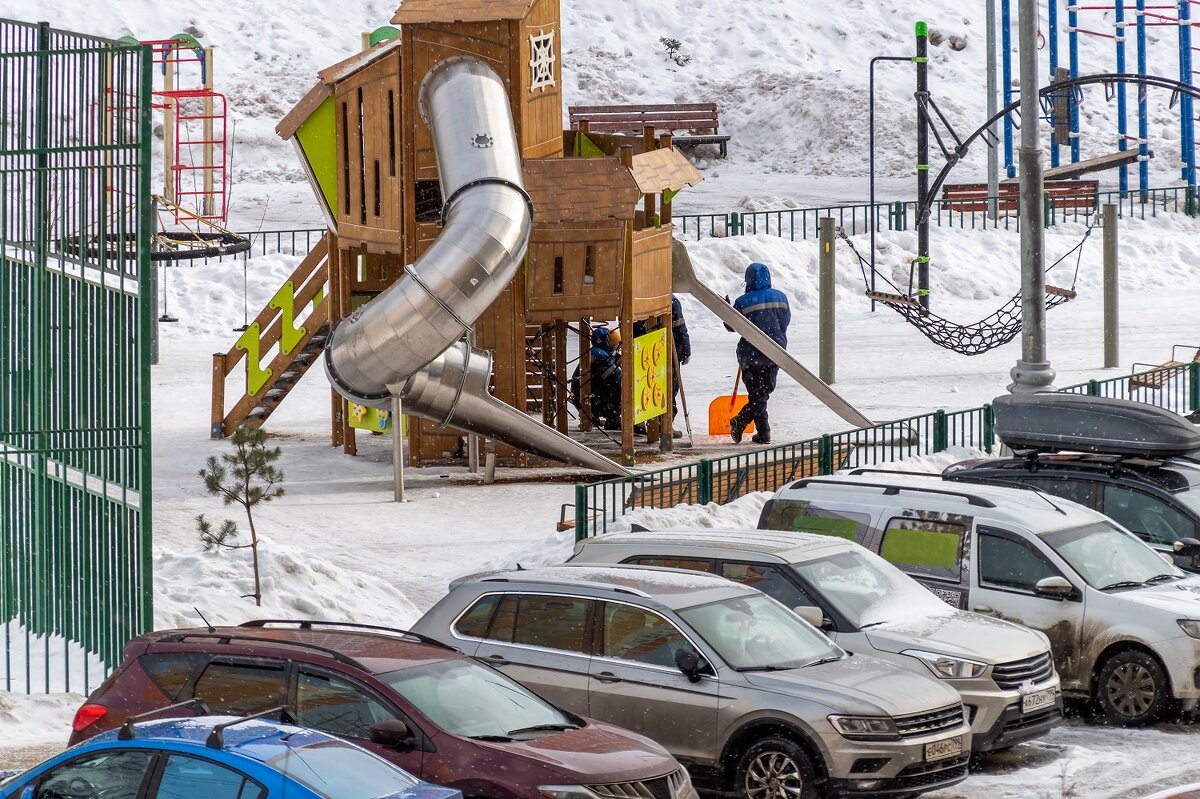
[[691, 564], [186, 777], [111, 774], [553, 622], [1005, 563], [636, 634], [475, 621], [768, 579], [756, 632], [170, 671], [1149, 518], [1075, 490], [867, 590], [240, 689], [336, 706], [338, 770], [501, 628], [1107, 556], [799, 515], [925, 547]]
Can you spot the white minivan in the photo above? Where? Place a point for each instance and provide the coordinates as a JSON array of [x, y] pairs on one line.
[[1003, 671], [1123, 622]]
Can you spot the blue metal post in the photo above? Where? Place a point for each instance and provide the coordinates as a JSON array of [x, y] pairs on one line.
[[1143, 108], [1186, 105], [1054, 157], [1073, 42], [1122, 107], [1006, 74]]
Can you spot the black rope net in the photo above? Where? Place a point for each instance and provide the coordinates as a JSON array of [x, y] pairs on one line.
[[995, 330]]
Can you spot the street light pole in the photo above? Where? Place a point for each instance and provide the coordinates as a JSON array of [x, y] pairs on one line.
[[1032, 373]]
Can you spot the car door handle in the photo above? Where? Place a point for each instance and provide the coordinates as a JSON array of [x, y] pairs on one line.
[[983, 609], [496, 660], [607, 677]]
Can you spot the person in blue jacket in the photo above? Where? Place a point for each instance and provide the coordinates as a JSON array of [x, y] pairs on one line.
[[606, 379], [769, 311]]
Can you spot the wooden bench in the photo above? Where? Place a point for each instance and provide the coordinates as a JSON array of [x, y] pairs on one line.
[[1163, 372], [1078, 195], [696, 118]]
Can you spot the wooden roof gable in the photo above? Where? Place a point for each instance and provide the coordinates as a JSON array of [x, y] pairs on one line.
[[292, 121], [418, 11], [347, 67], [580, 190], [663, 170]]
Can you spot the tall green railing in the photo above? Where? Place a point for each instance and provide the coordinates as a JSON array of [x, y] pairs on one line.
[[75, 321], [722, 480]]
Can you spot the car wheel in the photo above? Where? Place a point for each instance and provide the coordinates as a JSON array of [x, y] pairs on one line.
[[1132, 689], [775, 768]]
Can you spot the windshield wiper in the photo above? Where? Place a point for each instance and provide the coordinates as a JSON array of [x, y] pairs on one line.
[[830, 659], [873, 624], [562, 727], [495, 738], [1123, 584], [766, 668], [1158, 578]]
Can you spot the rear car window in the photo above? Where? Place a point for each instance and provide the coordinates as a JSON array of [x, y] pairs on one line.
[[928, 548], [240, 689], [692, 564], [799, 515], [170, 671], [475, 621], [553, 622]]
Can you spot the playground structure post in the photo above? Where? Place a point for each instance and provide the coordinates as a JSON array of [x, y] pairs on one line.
[[922, 61], [1122, 105], [1143, 108], [1006, 75], [871, 156], [1032, 373], [397, 450], [993, 106], [207, 206], [1112, 344], [1187, 120], [826, 314]]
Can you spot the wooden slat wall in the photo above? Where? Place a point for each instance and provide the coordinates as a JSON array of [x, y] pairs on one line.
[[541, 121], [651, 272], [600, 298]]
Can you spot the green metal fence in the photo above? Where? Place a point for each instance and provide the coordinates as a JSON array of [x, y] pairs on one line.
[[75, 320], [597, 505]]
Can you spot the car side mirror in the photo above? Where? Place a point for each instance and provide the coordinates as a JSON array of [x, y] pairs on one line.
[[813, 616], [1188, 547], [689, 663], [1057, 587], [393, 733]]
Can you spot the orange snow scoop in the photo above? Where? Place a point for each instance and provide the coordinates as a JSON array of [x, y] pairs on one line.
[[725, 407]]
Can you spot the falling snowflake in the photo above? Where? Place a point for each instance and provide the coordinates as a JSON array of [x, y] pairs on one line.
[[541, 61]]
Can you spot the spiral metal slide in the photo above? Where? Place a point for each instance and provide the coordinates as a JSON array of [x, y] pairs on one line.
[[407, 341]]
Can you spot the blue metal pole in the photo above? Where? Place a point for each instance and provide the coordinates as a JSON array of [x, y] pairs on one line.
[[1054, 156], [1006, 73], [1073, 42], [1143, 108], [1122, 106], [1186, 105]]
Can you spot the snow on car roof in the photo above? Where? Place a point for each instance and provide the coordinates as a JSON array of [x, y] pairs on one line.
[[671, 587], [784, 544]]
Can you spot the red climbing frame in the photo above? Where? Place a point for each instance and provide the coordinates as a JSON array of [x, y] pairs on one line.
[[196, 157]]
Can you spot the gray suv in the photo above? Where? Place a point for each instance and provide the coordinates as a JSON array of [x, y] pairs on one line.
[[749, 697]]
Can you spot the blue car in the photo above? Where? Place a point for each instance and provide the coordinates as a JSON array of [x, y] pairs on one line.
[[217, 757]]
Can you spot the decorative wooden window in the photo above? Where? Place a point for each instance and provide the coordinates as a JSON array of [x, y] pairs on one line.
[[541, 61]]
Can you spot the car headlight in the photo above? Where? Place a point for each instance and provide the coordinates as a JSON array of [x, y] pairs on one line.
[[946, 667], [566, 792], [683, 783], [864, 727], [1191, 627]]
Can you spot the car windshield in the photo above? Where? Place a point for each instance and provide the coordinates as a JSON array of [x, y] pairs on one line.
[[1107, 556], [868, 590], [756, 632], [467, 699], [338, 770], [1190, 497]]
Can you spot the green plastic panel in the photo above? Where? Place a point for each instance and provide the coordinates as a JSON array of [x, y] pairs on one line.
[[318, 140]]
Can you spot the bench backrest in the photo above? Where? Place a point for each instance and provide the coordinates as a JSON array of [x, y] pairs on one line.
[[1065, 194], [663, 116]]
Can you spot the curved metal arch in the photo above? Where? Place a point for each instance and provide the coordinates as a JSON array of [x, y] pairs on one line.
[[1103, 79]]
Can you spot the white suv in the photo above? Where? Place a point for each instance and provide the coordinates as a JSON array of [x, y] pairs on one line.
[[1003, 671], [1124, 624]]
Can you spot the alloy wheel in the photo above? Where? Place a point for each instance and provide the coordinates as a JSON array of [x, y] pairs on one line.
[[774, 775]]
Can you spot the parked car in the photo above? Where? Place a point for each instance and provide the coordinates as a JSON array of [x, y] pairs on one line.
[[1123, 623], [1133, 462], [1003, 671], [751, 698], [416, 702], [1182, 792], [217, 757]]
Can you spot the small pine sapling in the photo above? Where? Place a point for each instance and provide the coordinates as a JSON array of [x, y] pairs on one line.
[[247, 477], [672, 46]]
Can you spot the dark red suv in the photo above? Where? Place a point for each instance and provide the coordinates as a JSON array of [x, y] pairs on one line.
[[415, 701]]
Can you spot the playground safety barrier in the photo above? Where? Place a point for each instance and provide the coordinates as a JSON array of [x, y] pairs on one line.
[[722, 480]]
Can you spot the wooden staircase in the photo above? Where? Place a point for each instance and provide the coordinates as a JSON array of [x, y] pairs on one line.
[[293, 345]]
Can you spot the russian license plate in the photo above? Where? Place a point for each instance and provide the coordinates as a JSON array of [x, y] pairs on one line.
[[1037, 701], [940, 750]]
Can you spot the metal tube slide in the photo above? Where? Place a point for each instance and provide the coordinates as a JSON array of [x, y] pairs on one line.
[[408, 339], [683, 275]]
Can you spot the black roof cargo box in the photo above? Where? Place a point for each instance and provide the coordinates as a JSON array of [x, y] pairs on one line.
[[1051, 422]]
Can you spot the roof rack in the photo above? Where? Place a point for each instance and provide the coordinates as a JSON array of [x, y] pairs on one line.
[[308, 624], [889, 489], [216, 736], [228, 638], [126, 733], [620, 589], [869, 470]]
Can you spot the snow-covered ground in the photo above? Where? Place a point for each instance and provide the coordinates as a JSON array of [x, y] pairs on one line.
[[790, 79]]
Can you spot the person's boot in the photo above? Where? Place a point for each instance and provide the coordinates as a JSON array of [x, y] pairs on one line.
[[639, 429], [762, 434], [612, 424], [736, 428]]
